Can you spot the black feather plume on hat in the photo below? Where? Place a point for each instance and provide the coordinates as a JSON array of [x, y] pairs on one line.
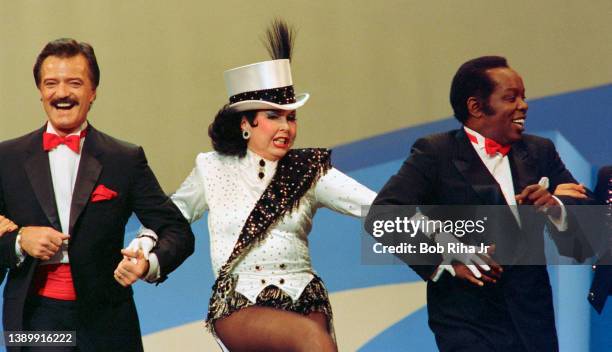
[[279, 39]]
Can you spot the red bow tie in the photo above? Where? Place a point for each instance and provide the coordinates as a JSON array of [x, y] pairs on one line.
[[491, 146], [51, 140]]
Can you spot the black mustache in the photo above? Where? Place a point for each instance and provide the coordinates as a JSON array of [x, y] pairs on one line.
[[66, 100]]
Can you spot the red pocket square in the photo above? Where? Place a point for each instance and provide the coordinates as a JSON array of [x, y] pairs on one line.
[[102, 193]]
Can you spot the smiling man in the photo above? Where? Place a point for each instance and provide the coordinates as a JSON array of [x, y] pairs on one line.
[[488, 161], [72, 189]]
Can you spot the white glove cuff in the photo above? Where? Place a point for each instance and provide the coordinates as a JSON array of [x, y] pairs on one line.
[[144, 232]]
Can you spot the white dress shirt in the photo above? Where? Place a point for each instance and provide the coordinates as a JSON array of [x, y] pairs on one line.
[[229, 186], [64, 165]]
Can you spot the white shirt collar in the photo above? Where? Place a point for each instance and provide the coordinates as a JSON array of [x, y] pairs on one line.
[[480, 139], [250, 165], [253, 159]]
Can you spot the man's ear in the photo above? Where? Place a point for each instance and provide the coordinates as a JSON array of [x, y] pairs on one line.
[[474, 107]]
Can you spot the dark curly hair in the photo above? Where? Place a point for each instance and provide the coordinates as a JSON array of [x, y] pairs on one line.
[[472, 80], [225, 131], [67, 48]]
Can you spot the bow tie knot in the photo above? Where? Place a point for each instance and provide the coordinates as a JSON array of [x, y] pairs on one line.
[[51, 141], [491, 146]]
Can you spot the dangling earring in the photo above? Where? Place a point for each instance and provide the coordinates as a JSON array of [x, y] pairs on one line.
[[246, 134]]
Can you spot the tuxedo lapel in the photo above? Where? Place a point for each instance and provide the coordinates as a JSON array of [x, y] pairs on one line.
[[39, 174], [476, 174], [87, 176], [522, 166], [524, 173]]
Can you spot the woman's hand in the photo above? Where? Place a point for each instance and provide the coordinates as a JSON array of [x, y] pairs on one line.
[[571, 190], [6, 225]]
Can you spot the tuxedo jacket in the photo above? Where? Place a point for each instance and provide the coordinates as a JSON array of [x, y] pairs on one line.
[[601, 286], [105, 308], [516, 314]]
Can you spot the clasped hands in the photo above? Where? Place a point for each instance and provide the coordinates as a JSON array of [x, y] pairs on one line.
[[43, 242], [544, 201], [135, 263]]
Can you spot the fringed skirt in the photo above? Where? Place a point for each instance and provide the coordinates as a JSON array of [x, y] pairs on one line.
[[314, 298]]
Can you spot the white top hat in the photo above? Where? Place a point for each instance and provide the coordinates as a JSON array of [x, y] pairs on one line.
[[263, 85]]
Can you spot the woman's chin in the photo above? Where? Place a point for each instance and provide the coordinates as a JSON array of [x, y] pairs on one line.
[[279, 153]]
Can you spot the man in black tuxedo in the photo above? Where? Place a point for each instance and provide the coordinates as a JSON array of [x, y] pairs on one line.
[[72, 189], [475, 305]]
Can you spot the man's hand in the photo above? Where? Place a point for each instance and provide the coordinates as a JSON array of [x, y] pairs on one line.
[[571, 190], [133, 267], [41, 242], [473, 267], [476, 274], [145, 244], [541, 198], [6, 225]]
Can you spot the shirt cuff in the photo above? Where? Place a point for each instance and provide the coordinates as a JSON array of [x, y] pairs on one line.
[[440, 270], [561, 222], [144, 232], [18, 251], [154, 272]]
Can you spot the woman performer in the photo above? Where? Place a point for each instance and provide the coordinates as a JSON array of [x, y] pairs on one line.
[[261, 196]]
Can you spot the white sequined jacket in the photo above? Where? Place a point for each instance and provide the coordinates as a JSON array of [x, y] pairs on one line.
[[228, 188]]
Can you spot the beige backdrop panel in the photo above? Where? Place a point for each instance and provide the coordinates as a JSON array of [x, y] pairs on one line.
[[371, 66]]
